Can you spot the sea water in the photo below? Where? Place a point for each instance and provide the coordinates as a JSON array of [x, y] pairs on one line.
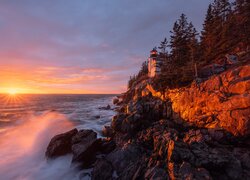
[[27, 124]]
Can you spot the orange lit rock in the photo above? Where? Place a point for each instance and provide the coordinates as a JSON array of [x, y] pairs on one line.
[[223, 101]]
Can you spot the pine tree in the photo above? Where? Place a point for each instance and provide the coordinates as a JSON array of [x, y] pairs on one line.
[[179, 41], [193, 44], [163, 45], [217, 30], [164, 54], [222, 11], [144, 69], [242, 16], [207, 39]]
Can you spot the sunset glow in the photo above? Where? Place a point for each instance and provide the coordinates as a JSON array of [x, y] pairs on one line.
[[15, 91], [69, 48], [12, 91]]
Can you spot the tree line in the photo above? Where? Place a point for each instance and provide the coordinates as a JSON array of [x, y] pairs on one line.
[[226, 29]]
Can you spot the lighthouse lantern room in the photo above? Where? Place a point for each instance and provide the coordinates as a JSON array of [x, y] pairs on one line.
[[154, 63]]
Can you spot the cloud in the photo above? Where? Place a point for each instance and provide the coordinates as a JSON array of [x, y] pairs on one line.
[[94, 45]]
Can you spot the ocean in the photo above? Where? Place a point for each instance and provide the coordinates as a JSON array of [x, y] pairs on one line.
[[27, 124]]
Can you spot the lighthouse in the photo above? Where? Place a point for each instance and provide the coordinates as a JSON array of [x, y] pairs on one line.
[[154, 64]]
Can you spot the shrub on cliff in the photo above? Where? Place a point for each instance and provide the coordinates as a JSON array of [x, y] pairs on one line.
[[143, 73], [179, 77]]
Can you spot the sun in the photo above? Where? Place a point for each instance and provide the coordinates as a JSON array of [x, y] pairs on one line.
[[12, 97], [12, 91]]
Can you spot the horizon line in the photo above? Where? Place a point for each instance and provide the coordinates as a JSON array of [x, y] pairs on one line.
[[62, 94]]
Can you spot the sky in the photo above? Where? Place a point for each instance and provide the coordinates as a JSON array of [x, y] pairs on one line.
[[83, 46]]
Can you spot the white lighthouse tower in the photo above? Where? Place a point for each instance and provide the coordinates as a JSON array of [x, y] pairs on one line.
[[154, 64]]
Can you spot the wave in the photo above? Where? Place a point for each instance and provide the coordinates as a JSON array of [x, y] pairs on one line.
[[23, 147]]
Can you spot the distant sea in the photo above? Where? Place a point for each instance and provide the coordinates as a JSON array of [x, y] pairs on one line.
[[28, 122]]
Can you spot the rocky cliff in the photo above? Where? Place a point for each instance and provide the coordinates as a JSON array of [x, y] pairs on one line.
[[196, 132], [221, 102]]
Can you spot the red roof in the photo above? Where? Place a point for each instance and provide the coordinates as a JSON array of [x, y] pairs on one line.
[[153, 51]]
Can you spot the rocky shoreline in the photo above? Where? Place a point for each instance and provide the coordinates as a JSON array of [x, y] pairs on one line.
[[181, 134]]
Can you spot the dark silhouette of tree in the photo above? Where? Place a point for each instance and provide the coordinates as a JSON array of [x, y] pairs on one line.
[[242, 20], [163, 46], [142, 74], [207, 35], [144, 69], [193, 43], [179, 41]]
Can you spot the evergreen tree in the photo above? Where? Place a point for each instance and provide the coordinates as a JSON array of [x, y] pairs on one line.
[[207, 39], [242, 17], [179, 41], [193, 44], [163, 46], [217, 30], [222, 11], [144, 69]]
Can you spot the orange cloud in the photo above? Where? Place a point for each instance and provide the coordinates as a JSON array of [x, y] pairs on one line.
[[54, 79]]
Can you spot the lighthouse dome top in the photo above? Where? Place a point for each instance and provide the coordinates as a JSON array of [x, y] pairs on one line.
[[153, 53]]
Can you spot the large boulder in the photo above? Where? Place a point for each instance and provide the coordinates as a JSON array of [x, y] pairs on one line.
[[84, 136], [107, 131], [115, 101], [83, 145], [86, 147], [60, 144]]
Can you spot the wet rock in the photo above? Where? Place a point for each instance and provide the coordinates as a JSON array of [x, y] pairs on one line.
[[84, 136], [102, 170], [115, 101], [97, 116], [85, 153], [107, 146], [122, 109], [116, 123], [86, 147], [60, 144], [107, 131], [84, 144], [108, 107]]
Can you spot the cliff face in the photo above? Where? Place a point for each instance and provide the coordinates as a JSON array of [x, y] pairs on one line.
[[223, 101], [197, 132]]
